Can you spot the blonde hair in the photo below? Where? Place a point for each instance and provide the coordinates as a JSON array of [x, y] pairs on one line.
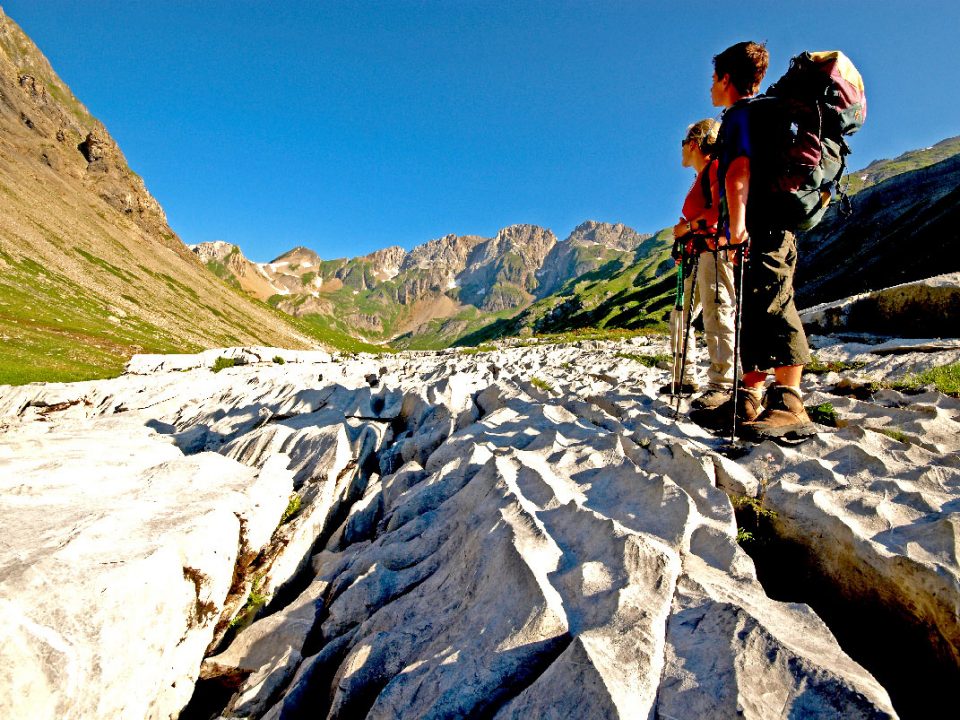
[[704, 133]]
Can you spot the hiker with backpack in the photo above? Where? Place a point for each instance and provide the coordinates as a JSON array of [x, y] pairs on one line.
[[771, 334], [781, 157], [707, 276]]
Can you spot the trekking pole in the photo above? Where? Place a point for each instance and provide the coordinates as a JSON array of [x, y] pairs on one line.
[[687, 323], [737, 318], [677, 305]]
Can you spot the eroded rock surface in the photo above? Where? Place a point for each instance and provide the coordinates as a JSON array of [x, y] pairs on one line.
[[522, 533]]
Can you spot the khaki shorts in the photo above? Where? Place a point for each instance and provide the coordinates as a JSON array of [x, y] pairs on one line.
[[771, 333]]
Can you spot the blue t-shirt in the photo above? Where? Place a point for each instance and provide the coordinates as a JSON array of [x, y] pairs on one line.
[[738, 138]]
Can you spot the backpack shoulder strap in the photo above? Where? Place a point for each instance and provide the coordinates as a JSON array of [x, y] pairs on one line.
[[705, 184]]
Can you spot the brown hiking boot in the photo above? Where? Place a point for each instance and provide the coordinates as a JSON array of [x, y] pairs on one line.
[[711, 398], [784, 417], [720, 418]]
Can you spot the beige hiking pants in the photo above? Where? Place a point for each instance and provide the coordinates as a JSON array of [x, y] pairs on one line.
[[714, 295]]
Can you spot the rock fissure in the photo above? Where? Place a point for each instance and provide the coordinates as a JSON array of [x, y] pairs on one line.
[[865, 619]]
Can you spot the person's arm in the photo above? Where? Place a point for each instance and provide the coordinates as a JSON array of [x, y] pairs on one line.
[[737, 187]]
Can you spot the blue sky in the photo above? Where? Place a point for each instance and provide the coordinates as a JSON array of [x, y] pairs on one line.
[[350, 126]]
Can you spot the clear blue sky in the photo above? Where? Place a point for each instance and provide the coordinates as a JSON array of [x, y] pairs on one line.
[[350, 126]]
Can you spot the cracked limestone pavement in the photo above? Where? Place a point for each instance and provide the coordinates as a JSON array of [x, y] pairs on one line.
[[525, 532]]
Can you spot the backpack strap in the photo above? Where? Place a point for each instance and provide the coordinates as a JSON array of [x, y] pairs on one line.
[[705, 184]]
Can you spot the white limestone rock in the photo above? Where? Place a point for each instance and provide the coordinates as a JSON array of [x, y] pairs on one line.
[[466, 543], [120, 553]]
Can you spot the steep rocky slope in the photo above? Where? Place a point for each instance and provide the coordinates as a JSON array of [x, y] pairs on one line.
[[880, 170], [904, 228], [90, 271], [528, 532]]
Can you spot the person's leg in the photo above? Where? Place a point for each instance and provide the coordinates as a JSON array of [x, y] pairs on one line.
[[785, 349], [788, 375], [691, 297], [717, 294]]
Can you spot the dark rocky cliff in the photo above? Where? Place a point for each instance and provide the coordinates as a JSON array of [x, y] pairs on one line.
[[905, 228]]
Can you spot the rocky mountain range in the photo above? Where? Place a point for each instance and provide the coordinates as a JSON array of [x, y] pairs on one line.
[[467, 289], [393, 293]]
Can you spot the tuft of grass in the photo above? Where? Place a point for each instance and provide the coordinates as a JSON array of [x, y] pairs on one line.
[[255, 601], [818, 367], [279, 360], [755, 504], [823, 414], [222, 363], [542, 384], [893, 433], [945, 378], [646, 360], [293, 507], [478, 349]]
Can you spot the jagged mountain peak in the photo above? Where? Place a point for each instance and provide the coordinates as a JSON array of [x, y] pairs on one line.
[[613, 235], [300, 255]]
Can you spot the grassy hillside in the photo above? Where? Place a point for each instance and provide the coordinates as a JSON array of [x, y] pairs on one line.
[[880, 170], [634, 295], [90, 271]]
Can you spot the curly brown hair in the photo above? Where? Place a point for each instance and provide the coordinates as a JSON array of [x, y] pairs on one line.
[[746, 64]]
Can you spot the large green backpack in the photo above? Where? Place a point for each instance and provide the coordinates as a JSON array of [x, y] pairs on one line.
[[803, 119]]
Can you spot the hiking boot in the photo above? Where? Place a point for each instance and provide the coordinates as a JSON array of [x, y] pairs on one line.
[[711, 398], [783, 418], [720, 417], [687, 388]]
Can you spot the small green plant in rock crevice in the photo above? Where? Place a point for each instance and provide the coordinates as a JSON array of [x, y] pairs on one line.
[[541, 384], [753, 517], [222, 363], [255, 601], [823, 414], [644, 359], [279, 360], [293, 507], [892, 433]]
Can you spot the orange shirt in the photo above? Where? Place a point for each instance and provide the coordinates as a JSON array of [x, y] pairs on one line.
[[695, 206]]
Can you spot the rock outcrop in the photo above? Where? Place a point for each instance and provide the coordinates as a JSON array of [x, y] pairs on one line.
[[521, 533], [924, 308]]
